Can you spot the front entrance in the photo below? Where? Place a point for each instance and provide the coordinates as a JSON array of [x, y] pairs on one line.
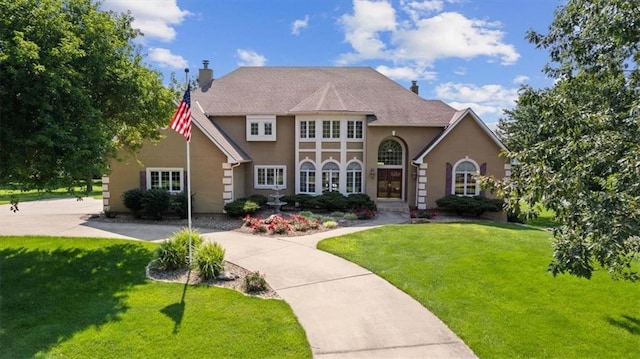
[[390, 183]]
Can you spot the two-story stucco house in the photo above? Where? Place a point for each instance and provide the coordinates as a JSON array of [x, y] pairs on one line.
[[315, 129]]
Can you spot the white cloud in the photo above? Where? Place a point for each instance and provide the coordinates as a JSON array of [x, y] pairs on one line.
[[460, 71], [155, 18], [488, 100], [417, 9], [406, 73], [363, 29], [250, 58], [520, 79], [165, 58], [299, 25], [420, 39]]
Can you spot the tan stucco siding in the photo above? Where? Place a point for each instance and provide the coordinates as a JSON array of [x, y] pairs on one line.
[[170, 152], [467, 139], [263, 153]]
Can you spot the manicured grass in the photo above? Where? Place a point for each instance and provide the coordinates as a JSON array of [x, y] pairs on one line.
[[545, 219], [7, 192], [89, 298], [489, 284]]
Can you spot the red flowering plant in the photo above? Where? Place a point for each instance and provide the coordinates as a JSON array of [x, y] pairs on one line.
[[278, 225]]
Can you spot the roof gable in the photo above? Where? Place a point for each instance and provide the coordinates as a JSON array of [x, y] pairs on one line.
[[455, 120], [329, 98]]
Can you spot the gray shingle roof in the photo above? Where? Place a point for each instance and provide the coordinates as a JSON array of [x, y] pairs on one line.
[[296, 90]]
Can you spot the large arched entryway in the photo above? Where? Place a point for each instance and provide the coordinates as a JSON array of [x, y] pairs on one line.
[[390, 169]]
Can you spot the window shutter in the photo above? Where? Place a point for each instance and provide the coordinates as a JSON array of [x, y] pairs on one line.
[[143, 180], [447, 182], [483, 171]]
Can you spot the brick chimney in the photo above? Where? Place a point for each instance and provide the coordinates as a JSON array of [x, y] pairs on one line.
[[414, 87], [205, 75]]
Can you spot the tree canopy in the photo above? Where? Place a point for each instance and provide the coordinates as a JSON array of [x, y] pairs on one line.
[[577, 143], [73, 90]]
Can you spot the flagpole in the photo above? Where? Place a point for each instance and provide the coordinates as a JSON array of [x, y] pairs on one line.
[[186, 73]]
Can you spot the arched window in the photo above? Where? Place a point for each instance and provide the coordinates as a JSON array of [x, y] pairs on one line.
[[354, 178], [330, 177], [307, 178], [390, 153], [466, 183]]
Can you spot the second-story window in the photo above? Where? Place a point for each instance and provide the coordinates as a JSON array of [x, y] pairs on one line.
[[354, 129], [331, 129]]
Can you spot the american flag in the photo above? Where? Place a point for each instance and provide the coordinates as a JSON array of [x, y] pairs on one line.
[[181, 120]]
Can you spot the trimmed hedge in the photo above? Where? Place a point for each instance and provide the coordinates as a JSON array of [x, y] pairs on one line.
[[156, 203], [474, 206], [241, 207]]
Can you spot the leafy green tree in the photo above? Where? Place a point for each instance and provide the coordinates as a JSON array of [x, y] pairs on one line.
[[577, 144], [73, 91]]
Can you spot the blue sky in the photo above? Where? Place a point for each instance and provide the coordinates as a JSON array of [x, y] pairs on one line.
[[468, 53]]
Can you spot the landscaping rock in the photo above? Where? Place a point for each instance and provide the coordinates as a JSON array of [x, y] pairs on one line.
[[227, 276]]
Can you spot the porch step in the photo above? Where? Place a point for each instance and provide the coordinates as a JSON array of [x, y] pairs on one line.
[[393, 206]]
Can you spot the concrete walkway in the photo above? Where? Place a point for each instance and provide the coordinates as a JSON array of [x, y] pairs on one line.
[[346, 311]]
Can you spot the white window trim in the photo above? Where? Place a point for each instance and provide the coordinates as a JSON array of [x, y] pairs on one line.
[[453, 177], [261, 120], [166, 169], [308, 132], [346, 168], [299, 177], [355, 127], [268, 186], [332, 129]]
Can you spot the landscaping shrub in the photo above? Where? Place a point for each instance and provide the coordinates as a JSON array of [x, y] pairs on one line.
[[330, 224], [350, 216], [155, 202], [259, 199], [179, 204], [209, 260], [299, 200], [330, 201], [132, 199], [337, 214], [475, 206], [360, 201], [241, 207], [182, 236], [255, 282], [364, 214], [174, 253]]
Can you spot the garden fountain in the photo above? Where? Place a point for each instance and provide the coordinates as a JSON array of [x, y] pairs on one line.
[[275, 203]]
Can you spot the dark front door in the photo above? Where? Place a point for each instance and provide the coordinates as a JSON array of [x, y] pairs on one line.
[[390, 183]]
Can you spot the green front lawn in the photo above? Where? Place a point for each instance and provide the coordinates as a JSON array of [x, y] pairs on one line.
[[7, 192], [89, 298], [489, 284]]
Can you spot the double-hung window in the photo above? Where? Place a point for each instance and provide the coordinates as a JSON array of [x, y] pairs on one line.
[[331, 129], [307, 129], [354, 129], [270, 177], [466, 183], [261, 127], [170, 179], [307, 178], [354, 178]]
